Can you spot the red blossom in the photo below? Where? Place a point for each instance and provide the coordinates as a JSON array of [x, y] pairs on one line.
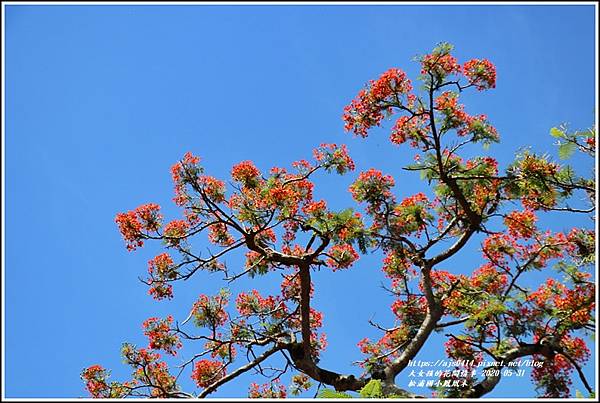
[[246, 173], [213, 188], [210, 311], [225, 351], [133, 224], [521, 224], [480, 73], [395, 265], [95, 381], [219, 235], [367, 109], [183, 172], [315, 208], [413, 128], [253, 303], [334, 157], [411, 310], [159, 333], [271, 390], [458, 349], [341, 257], [439, 64], [175, 231], [489, 279], [206, 372], [161, 270], [149, 370], [372, 187]]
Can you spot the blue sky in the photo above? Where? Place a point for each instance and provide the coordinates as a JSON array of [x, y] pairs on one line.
[[102, 100]]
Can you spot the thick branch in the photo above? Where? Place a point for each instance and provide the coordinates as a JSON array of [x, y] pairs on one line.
[[490, 382], [414, 346], [434, 314]]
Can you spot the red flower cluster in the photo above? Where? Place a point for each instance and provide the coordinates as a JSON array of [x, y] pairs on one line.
[[439, 64], [456, 118], [576, 348], [441, 280], [189, 160], [391, 82], [206, 372], [150, 371], [574, 307], [332, 156], [366, 110], [459, 350], [160, 335], [341, 257], [454, 115], [282, 191], [213, 188], [315, 209], [219, 235], [553, 376], [149, 216], [546, 291], [479, 127], [498, 247], [246, 173], [396, 266], [175, 231], [95, 381], [210, 311], [489, 279], [385, 349], [416, 199], [257, 263], [185, 171], [591, 142], [582, 243], [253, 303], [411, 215], [225, 351], [161, 270], [300, 383], [372, 187], [521, 224], [272, 390], [279, 195], [410, 311], [414, 128], [577, 304], [480, 73], [533, 173], [133, 223]]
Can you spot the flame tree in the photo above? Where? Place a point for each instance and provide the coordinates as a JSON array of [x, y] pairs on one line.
[[489, 314]]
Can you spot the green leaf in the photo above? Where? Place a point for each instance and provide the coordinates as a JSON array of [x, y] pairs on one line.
[[587, 133], [565, 150], [371, 389], [332, 394], [556, 132]]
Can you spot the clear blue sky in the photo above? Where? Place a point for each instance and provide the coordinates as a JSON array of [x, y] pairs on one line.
[[102, 100]]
